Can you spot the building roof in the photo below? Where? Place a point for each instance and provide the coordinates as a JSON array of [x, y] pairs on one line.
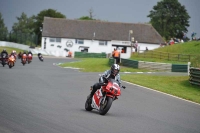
[[99, 30]]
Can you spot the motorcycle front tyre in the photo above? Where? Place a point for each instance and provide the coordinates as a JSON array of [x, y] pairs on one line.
[[104, 108], [88, 106]]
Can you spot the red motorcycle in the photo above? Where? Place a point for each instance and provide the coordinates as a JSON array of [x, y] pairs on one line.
[[103, 97], [24, 59], [29, 58], [11, 61]]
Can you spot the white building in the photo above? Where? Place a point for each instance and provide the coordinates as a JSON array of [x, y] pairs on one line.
[[60, 35]]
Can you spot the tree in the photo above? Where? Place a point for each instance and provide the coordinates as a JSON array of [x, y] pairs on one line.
[[24, 24], [169, 18], [3, 29], [40, 18], [23, 31], [85, 18]]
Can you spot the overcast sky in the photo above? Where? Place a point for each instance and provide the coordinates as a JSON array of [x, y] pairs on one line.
[[131, 11]]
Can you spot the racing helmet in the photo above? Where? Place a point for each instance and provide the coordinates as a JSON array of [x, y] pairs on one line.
[[115, 68]]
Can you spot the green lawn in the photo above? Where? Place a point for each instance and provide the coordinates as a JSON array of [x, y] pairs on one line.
[[174, 85], [191, 48], [96, 65]]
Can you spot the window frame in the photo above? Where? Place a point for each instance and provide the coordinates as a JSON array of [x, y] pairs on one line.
[[103, 43], [56, 40]]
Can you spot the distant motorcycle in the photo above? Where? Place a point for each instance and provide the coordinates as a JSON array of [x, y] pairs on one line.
[[4, 60], [19, 55], [24, 59], [29, 58], [103, 97], [11, 61], [41, 58]]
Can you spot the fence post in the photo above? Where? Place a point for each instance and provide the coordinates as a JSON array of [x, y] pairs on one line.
[[168, 56], [160, 55], [178, 57], [189, 57], [189, 63]]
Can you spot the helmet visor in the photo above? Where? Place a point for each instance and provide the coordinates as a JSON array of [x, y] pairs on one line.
[[115, 72]]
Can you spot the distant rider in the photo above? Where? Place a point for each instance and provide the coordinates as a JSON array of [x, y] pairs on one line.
[[4, 52], [29, 52], [39, 54], [23, 54]]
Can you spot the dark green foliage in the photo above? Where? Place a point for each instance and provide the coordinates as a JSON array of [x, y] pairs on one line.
[[40, 18], [85, 18], [3, 30], [169, 18], [24, 25]]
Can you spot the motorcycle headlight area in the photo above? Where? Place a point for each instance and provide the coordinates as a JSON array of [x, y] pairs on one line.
[[113, 89]]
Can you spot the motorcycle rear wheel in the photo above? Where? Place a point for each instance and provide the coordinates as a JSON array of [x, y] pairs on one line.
[[106, 106]]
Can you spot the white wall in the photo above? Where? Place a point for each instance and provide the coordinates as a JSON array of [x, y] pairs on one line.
[[142, 46], [93, 45]]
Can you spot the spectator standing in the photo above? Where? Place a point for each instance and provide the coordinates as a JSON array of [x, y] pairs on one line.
[[136, 46], [171, 42], [116, 56], [147, 49], [113, 52], [70, 54], [193, 35], [122, 51]]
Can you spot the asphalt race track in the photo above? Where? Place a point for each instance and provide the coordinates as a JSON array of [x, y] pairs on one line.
[[43, 98]]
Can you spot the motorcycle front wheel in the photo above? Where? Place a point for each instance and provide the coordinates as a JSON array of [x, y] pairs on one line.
[[88, 106], [104, 107]]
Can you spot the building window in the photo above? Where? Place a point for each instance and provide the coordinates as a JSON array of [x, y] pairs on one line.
[[58, 40], [104, 43], [55, 40], [79, 41]]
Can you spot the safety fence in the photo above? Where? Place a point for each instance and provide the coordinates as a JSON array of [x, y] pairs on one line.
[[152, 65], [89, 55], [194, 76]]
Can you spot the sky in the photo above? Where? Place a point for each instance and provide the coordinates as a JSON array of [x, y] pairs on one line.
[[128, 11]]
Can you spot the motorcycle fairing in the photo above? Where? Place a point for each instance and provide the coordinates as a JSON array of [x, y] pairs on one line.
[[96, 99]]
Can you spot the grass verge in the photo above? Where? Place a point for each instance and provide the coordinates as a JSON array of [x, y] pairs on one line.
[[96, 65], [175, 85]]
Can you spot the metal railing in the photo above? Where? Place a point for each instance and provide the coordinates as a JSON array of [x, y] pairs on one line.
[[166, 56], [194, 76]]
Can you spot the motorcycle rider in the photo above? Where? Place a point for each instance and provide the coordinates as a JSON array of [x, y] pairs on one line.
[[12, 53], [4, 52], [19, 55], [39, 54], [24, 53], [112, 73], [29, 52]]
